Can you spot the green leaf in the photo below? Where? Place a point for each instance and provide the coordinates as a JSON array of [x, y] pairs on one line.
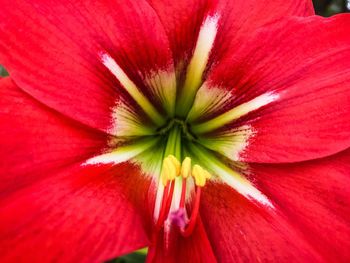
[[138, 256], [3, 71]]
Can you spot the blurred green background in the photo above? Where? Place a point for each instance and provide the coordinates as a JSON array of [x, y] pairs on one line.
[[322, 7]]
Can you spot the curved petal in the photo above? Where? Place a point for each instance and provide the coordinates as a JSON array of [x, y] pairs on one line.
[[54, 51], [83, 214], [35, 139], [182, 20], [195, 248], [243, 232], [315, 196], [293, 90]]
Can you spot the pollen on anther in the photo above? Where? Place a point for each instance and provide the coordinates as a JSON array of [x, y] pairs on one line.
[[200, 175], [170, 169], [176, 163], [186, 167]]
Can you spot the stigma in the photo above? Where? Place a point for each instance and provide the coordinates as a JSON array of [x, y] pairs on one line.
[[173, 211]]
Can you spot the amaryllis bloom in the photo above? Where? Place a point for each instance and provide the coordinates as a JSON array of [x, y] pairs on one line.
[[209, 131]]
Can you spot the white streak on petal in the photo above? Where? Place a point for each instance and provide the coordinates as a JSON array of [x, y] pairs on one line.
[[235, 113], [121, 154], [131, 88], [205, 42], [116, 70], [255, 103], [243, 186], [112, 157], [230, 176], [198, 63]]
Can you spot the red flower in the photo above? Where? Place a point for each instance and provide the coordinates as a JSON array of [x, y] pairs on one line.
[[207, 130]]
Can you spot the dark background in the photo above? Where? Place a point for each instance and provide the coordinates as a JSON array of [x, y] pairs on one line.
[[331, 7], [322, 7]]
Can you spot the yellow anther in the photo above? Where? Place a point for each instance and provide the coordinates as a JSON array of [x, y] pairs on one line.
[[186, 167], [176, 163], [207, 175], [199, 175], [171, 168], [169, 171]]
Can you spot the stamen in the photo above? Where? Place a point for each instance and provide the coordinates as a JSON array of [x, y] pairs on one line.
[[198, 63], [173, 210], [165, 174], [162, 212], [186, 167], [195, 210], [185, 173], [171, 169], [170, 198], [200, 175], [234, 113], [176, 164], [132, 89]]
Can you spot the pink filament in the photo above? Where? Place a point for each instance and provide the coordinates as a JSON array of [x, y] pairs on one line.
[[192, 222]]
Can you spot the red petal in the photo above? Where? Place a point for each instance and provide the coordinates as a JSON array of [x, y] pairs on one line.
[[315, 196], [310, 119], [65, 40], [195, 248], [35, 139], [81, 215], [243, 232], [182, 20]]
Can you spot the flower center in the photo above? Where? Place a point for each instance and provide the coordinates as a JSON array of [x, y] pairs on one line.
[[182, 124], [180, 152]]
